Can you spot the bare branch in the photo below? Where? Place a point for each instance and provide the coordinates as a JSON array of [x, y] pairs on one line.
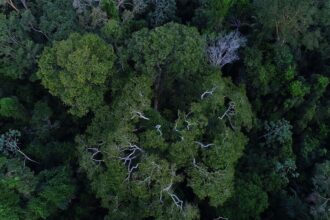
[[139, 115], [95, 152], [10, 145], [188, 122], [220, 218], [177, 202], [127, 160], [204, 145], [158, 130], [130, 170], [208, 93], [229, 113]]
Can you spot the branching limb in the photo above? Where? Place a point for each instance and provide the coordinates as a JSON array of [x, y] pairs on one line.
[[208, 93], [188, 123], [139, 115], [158, 130], [95, 152], [220, 218], [12, 146], [10, 2], [130, 170], [177, 202], [133, 150], [26, 157], [229, 113], [204, 145]]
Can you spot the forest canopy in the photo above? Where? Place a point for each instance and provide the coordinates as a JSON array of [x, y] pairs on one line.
[[164, 109]]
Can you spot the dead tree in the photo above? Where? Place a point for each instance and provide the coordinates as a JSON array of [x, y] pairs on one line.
[[224, 49], [9, 144]]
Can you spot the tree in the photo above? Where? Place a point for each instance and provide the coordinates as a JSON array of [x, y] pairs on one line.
[[26, 195], [224, 50], [18, 53], [142, 158], [78, 71], [289, 21], [10, 107], [58, 19], [167, 54], [249, 200], [321, 180], [278, 131], [211, 13]]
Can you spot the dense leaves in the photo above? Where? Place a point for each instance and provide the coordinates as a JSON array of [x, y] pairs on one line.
[[164, 109], [77, 70]]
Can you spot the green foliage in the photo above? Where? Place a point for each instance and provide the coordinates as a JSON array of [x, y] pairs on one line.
[[56, 192], [287, 169], [10, 107], [58, 19], [123, 116], [166, 54], [278, 131], [78, 70], [25, 195], [211, 13], [172, 44], [249, 201], [321, 180], [156, 12], [109, 6], [287, 21], [18, 51], [297, 89]]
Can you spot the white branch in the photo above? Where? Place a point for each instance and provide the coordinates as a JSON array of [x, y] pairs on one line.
[[188, 122], [139, 115], [158, 130], [208, 93], [224, 50], [230, 111], [130, 170], [220, 218], [178, 202], [204, 145], [95, 151], [133, 150]]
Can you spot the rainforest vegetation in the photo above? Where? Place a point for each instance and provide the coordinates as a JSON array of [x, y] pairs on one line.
[[164, 109]]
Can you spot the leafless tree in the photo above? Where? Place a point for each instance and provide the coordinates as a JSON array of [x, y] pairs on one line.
[[9, 144], [224, 49]]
